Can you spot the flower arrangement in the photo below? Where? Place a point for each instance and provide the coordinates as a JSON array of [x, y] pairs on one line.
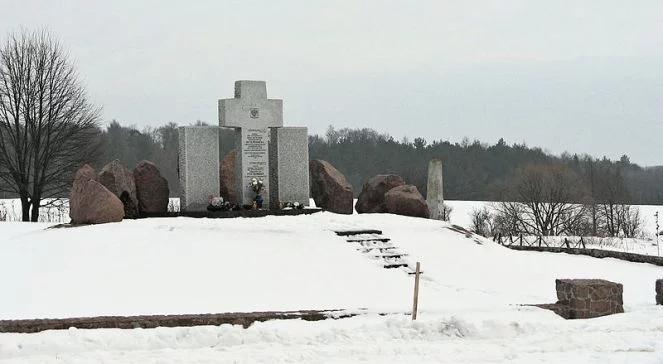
[[257, 186], [292, 205], [218, 204]]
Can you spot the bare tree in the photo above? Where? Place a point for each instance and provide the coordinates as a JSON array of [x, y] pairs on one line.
[[544, 202], [47, 126]]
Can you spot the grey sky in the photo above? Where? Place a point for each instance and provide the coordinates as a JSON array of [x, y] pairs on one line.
[[582, 76]]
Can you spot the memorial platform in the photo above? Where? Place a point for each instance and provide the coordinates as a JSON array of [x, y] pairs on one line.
[[237, 213]]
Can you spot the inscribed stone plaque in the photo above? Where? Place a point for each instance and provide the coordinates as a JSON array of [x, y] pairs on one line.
[[253, 162], [198, 166]]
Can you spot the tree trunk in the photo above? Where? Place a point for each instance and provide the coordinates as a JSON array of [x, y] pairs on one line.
[[34, 216], [25, 209]]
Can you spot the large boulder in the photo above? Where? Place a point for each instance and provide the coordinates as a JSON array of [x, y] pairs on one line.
[[371, 198], [227, 178], [120, 181], [92, 203], [151, 189], [329, 188], [406, 200]]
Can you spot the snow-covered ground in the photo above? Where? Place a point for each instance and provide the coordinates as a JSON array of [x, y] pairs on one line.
[[470, 296]]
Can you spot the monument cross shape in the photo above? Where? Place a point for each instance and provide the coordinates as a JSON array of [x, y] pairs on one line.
[[250, 108]]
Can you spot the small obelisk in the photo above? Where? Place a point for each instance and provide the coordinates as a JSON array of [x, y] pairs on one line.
[[434, 194]]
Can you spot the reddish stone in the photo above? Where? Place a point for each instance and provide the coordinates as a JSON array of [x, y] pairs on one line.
[[151, 189], [120, 181], [227, 178], [329, 188], [406, 200], [372, 196], [92, 203]]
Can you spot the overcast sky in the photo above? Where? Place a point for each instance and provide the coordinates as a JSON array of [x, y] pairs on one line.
[[582, 76]]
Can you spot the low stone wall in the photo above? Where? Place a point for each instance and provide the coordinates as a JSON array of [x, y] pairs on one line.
[[596, 253], [147, 322], [659, 292]]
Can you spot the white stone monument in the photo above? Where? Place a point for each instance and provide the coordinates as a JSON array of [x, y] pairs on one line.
[[434, 192], [253, 115]]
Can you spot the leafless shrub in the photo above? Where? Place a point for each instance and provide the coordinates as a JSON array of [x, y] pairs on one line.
[[482, 221], [631, 221], [445, 212]]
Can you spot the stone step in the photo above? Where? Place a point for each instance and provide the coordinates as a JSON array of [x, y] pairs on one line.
[[384, 240], [357, 232], [390, 255], [381, 249], [376, 244]]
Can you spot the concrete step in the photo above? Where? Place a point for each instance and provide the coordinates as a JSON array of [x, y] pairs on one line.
[[368, 239], [357, 232]]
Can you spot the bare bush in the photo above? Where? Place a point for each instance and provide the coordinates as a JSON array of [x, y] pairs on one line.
[[482, 221], [631, 221], [445, 212]]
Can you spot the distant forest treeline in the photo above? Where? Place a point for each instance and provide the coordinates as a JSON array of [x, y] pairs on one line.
[[472, 170]]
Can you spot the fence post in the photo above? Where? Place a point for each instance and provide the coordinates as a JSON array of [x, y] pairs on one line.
[[566, 241], [540, 240], [582, 242], [521, 239], [416, 292]]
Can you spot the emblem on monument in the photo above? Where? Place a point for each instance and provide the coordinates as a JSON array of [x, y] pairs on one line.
[[254, 113]]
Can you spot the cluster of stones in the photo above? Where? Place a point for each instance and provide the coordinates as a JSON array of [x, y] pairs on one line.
[[117, 193], [254, 143], [588, 298], [659, 291], [388, 193], [385, 193]]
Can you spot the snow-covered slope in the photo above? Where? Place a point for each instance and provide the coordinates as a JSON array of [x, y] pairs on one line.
[[470, 295], [185, 265]]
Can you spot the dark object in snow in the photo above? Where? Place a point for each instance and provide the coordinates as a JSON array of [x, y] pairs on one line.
[[586, 298], [407, 201], [659, 291], [371, 198], [329, 188], [151, 189]]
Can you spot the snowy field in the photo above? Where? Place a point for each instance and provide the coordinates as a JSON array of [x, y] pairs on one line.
[[471, 294]]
